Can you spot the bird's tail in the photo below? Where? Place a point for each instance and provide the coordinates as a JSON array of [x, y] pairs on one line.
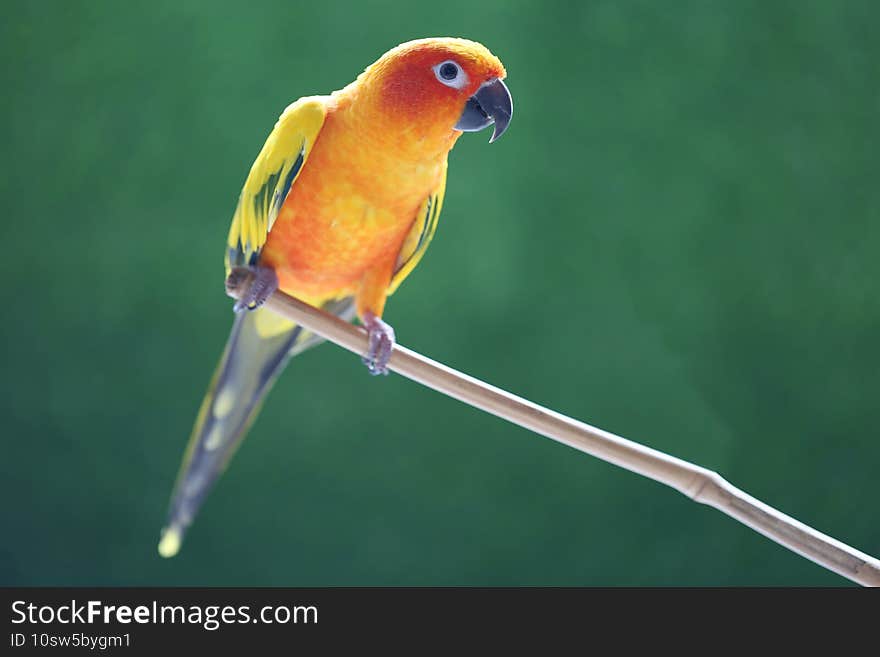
[[258, 348]]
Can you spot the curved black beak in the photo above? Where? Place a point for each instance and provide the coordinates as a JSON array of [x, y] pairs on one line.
[[491, 104]]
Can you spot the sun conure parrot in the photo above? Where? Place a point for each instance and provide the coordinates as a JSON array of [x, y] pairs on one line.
[[337, 210]]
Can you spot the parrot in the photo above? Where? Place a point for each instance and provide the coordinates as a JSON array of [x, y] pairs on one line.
[[337, 210]]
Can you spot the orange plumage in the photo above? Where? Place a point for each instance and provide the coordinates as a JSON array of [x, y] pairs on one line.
[[337, 210], [381, 151]]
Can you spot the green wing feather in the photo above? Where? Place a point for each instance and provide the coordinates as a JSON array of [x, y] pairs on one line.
[[273, 173], [261, 342], [420, 235]]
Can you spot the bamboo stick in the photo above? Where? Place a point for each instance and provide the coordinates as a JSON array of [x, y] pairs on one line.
[[698, 483]]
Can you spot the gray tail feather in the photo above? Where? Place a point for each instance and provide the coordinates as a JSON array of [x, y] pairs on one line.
[[249, 366]]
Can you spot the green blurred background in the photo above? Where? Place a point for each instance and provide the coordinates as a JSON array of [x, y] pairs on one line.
[[677, 240]]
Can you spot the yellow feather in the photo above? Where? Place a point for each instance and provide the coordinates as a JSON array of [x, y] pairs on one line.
[[420, 235], [271, 176]]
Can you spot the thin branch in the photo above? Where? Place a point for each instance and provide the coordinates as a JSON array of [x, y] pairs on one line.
[[698, 483]]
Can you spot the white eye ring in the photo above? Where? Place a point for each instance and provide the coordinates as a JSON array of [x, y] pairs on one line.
[[458, 81]]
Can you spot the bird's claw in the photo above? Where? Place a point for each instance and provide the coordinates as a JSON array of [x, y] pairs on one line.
[[381, 342], [261, 282]]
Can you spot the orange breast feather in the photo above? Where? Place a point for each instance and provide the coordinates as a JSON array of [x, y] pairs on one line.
[[348, 212]]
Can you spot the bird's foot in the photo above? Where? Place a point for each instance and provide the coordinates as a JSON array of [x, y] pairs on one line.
[[381, 337], [256, 283]]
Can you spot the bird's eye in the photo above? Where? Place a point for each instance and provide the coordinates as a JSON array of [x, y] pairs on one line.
[[450, 74], [448, 71]]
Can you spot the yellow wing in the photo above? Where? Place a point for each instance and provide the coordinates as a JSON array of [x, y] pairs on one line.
[[268, 183], [420, 235]]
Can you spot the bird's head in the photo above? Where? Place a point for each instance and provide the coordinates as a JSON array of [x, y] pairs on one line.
[[441, 84]]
